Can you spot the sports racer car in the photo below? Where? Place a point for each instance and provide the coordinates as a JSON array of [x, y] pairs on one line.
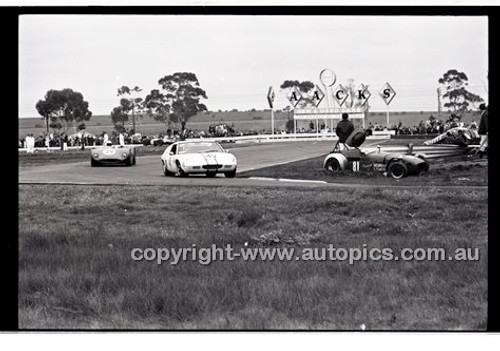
[[112, 155], [198, 157]]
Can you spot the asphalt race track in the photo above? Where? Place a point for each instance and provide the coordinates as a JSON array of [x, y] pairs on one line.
[[148, 170]]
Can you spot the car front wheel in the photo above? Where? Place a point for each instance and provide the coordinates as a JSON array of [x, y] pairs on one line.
[[397, 170], [166, 172], [332, 165], [230, 174], [181, 171]]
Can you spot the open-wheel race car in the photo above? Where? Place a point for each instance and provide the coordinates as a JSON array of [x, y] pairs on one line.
[[112, 155], [402, 160], [397, 163]]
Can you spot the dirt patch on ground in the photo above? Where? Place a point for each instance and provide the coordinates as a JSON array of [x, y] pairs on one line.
[[458, 171]]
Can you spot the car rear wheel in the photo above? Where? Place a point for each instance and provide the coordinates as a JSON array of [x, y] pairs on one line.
[[332, 165], [230, 174], [397, 170]]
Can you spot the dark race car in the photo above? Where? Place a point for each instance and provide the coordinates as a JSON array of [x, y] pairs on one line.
[[397, 165], [348, 156]]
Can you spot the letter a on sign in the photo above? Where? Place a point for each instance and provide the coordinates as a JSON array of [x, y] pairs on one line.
[[294, 96], [318, 96]]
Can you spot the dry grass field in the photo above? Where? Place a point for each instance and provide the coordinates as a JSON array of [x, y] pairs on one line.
[[245, 121], [76, 271]]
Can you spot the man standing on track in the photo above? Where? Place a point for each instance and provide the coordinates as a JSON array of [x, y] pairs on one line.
[[344, 128], [483, 129]]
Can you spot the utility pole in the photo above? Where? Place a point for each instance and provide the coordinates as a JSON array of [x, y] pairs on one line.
[[133, 117], [272, 121], [439, 102], [270, 99]]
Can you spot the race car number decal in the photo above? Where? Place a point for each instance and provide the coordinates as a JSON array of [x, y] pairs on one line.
[[109, 152], [355, 166]]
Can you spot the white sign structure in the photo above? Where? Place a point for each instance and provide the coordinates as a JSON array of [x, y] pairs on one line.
[[327, 114], [270, 99], [270, 96], [363, 94], [318, 96], [327, 77], [354, 100], [294, 96], [387, 93], [340, 94]]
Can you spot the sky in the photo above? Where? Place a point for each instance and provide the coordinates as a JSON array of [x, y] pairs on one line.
[[236, 58]]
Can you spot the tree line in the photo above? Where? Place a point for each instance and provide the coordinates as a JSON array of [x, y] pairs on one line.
[[179, 98]]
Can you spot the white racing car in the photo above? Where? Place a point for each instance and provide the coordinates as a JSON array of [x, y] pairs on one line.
[[198, 157]]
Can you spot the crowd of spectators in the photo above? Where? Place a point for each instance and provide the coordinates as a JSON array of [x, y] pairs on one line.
[[83, 138], [431, 126], [59, 140]]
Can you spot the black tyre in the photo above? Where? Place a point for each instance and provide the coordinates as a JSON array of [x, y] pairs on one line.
[[133, 160], [181, 171], [231, 174], [397, 170], [94, 163], [424, 168], [333, 165], [128, 161], [166, 172]]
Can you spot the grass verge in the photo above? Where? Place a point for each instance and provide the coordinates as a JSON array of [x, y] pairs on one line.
[[76, 271]]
